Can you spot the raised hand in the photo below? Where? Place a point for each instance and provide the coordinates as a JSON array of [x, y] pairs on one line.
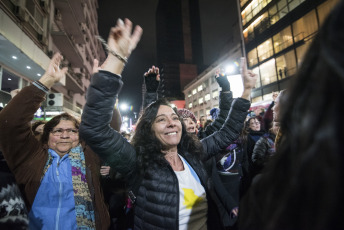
[[222, 81], [152, 79], [122, 41], [248, 78], [121, 38], [54, 73]]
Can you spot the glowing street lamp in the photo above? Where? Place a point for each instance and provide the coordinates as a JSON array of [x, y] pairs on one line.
[[123, 107]]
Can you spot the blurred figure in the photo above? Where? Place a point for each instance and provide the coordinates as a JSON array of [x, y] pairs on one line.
[[126, 135], [214, 113], [268, 117], [302, 186], [264, 149]]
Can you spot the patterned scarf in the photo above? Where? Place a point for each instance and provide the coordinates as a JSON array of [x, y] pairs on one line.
[[83, 202]]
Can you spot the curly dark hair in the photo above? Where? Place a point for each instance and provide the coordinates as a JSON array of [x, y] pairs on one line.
[[148, 147], [302, 187], [48, 127]]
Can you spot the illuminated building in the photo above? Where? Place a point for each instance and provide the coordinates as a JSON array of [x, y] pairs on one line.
[[277, 34]]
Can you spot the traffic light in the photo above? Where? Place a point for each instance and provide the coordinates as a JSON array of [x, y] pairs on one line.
[[54, 99]]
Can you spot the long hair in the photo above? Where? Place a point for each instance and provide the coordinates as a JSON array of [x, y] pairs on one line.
[[148, 147], [302, 187], [50, 125]]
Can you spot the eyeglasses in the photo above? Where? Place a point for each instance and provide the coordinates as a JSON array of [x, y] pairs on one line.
[[58, 132]]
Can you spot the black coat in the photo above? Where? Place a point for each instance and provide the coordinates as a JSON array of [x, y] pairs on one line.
[[157, 203]]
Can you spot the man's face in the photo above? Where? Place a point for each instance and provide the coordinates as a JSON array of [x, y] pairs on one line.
[[63, 137]]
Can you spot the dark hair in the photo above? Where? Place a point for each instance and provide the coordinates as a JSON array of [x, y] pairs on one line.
[[36, 124], [148, 147], [50, 125], [302, 188]]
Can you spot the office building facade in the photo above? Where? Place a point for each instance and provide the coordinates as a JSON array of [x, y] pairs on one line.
[[277, 34], [31, 31]]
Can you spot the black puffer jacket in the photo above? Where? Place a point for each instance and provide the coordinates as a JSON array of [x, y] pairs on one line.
[[157, 205], [225, 102]]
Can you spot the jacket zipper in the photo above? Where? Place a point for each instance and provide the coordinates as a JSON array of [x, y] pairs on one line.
[[60, 198]]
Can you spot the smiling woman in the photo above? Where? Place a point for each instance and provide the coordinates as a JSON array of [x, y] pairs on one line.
[[52, 170], [163, 163]]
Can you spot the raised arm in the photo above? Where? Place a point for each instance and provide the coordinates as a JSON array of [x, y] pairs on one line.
[[225, 102], [101, 97], [233, 125], [152, 82], [17, 141]]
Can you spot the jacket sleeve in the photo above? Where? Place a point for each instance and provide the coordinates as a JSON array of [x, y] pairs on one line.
[[225, 102], [17, 141], [259, 152], [95, 123], [230, 130]]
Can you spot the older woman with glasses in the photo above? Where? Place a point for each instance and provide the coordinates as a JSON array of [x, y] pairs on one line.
[[59, 174]]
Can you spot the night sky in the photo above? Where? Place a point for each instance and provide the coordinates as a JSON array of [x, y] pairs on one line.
[[215, 34]]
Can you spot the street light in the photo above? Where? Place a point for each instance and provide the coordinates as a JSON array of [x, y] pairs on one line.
[[123, 107]]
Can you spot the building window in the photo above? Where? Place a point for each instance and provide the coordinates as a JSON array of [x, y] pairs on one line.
[[265, 50], [294, 3], [300, 52], [194, 91], [282, 8], [256, 71], [190, 105], [325, 8], [305, 26], [286, 65], [195, 102], [200, 101], [189, 94], [207, 97], [252, 57], [200, 88], [268, 72], [201, 112], [283, 39], [215, 94], [257, 99]]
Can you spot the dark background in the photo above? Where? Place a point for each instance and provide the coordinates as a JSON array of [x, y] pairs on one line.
[[219, 20]]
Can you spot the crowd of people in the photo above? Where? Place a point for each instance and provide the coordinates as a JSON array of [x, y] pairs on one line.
[[279, 168]]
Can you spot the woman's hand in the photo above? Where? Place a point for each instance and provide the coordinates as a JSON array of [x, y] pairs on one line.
[[105, 170], [248, 78], [152, 79], [122, 41], [54, 73]]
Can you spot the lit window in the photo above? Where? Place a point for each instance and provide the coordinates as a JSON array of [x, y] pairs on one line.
[[207, 97], [200, 88], [200, 101], [215, 93], [190, 105], [194, 91]]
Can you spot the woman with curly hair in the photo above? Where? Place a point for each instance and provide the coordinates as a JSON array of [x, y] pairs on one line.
[[162, 163]]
